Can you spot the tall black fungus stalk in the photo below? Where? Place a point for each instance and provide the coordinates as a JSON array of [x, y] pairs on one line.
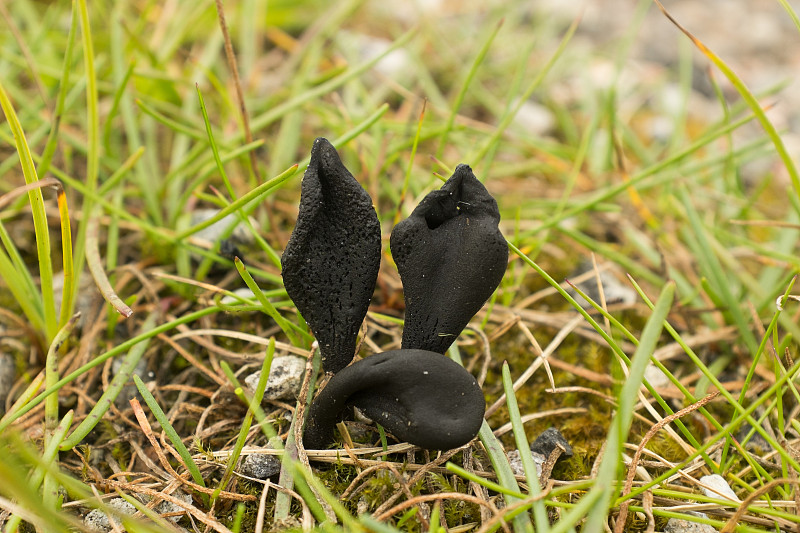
[[451, 256], [331, 262]]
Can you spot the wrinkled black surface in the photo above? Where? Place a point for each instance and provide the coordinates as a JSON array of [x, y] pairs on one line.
[[331, 262], [547, 442], [420, 397], [451, 256]]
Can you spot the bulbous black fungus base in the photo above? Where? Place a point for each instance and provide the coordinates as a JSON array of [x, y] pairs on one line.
[[420, 397], [331, 262], [451, 257]]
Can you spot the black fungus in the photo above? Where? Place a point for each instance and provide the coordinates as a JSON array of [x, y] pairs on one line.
[[451, 257], [418, 396], [331, 262]]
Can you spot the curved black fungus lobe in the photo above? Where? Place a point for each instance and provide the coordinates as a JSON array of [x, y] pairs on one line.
[[420, 397], [451, 257], [331, 262]]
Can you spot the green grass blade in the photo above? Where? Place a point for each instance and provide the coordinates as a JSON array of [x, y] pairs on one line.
[[539, 512], [600, 497], [52, 139], [748, 97], [465, 87], [258, 394], [93, 134], [39, 218], [172, 435], [108, 397]]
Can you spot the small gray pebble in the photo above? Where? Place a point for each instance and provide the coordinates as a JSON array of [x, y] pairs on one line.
[[165, 507], [547, 441], [98, 520], [285, 378], [260, 466], [675, 525]]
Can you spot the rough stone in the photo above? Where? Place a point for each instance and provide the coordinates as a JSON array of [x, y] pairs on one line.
[[676, 525], [285, 378], [330, 264], [420, 397], [260, 466], [451, 257], [97, 520], [547, 442], [165, 507]]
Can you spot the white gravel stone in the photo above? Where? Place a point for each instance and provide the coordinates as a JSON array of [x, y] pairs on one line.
[[515, 461], [285, 378], [718, 487]]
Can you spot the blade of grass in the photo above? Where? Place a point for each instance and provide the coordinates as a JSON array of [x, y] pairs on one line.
[[505, 121], [410, 166], [269, 309], [258, 394], [121, 377], [747, 96], [93, 134], [49, 454], [19, 282], [39, 218], [67, 292], [50, 491], [540, 518], [172, 435], [598, 499], [14, 415], [278, 111], [52, 139], [243, 200], [465, 86], [498, 458], [95, 265]]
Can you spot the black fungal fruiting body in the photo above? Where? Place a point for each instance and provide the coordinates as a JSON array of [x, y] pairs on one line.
[[331, 262], [421, 397], [451, 256]]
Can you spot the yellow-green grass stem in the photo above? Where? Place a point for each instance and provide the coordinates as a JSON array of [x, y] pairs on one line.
[[39, 218]]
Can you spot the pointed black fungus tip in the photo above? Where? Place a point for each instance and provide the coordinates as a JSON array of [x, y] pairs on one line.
[[451, 257], [420, 397], [331, 262]]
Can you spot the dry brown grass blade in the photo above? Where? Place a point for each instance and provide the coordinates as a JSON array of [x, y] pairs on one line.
[[417, 500], [623, 508], [734, 520], [231, 57], [9, 197], [95, 265], [543, 358], [144, 424]]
